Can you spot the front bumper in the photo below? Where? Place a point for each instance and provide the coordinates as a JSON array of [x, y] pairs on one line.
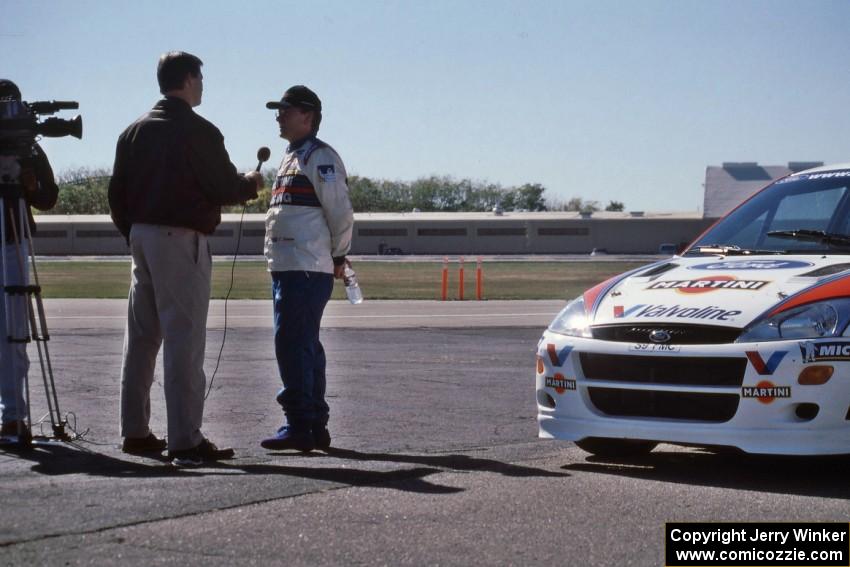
[[747, 396]]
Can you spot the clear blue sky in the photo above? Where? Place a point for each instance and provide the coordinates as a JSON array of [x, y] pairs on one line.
[[627, 101]]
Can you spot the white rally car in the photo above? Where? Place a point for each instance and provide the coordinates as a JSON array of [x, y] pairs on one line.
[[742, 341]]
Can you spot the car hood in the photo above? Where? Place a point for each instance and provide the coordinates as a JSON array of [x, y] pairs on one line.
[[725, 291]]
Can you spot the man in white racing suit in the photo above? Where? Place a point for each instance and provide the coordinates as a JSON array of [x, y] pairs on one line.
[[308, 234]]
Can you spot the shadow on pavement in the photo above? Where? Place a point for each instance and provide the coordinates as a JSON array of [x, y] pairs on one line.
[[55, 458], [804, 476], [452, 462], [408, 480], [67, 458]]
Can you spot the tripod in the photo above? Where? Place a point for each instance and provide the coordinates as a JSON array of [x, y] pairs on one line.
[[23, 301]]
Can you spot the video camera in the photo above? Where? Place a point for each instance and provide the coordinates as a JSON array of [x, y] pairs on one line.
[[19, 129], [20, 126]]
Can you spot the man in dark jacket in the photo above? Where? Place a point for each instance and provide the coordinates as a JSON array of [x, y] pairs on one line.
[[29, 177], [172, 174]]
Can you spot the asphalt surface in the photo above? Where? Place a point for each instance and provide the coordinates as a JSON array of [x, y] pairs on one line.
[[435, 458]]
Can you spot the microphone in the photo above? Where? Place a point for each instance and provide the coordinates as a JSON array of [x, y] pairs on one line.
[[263, 154]]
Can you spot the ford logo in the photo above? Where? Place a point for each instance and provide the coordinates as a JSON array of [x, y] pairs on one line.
[[752, 265], [659, 336]]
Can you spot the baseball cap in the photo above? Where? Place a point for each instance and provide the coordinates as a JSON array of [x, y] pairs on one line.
[[300, 96]]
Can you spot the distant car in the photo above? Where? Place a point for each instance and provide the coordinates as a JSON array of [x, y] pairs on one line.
[[667, 249], [742, 341]]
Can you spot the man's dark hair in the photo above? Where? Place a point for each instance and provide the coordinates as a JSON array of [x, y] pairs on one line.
[[174, 68]]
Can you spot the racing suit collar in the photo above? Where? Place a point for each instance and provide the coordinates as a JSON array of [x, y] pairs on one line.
[[299, 143]]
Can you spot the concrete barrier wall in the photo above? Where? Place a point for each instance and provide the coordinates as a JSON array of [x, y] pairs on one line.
[[422, 233]]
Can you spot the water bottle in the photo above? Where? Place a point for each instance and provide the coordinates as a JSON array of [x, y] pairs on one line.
[[352, 288]]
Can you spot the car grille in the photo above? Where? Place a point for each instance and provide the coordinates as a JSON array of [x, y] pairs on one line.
[[679, 334], [681, 370], [712, 408]]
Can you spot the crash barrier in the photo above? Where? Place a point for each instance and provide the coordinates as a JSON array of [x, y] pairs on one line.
[[444, 280], [441, 234]]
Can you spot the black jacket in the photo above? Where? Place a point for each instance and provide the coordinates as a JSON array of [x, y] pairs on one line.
[[171, 168], [43, 198]]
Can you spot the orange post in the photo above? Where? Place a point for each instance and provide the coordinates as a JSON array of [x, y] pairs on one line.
[[479, 280], [445, 287], [460, 280]]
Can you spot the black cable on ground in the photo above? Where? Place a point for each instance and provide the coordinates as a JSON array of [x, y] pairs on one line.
[[226, 297]]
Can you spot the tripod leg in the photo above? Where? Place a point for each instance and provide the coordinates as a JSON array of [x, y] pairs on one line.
[[41, 336]]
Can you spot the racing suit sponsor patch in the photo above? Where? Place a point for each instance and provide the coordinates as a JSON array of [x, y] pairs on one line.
[[327, 173], [294, 188]]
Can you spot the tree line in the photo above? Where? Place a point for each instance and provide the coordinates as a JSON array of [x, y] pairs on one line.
[[83, 191]]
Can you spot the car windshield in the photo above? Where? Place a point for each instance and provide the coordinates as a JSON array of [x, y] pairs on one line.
[[801, 214]]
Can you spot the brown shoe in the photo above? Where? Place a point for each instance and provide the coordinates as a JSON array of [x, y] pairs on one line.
[[142, 445], [17, 429]]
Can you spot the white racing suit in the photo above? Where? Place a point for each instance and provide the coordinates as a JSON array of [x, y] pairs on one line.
[[310, 219]]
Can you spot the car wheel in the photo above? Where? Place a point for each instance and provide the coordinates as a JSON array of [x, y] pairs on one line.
[[615, 447]]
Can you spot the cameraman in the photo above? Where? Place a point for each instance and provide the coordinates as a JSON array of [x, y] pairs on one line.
[[29, 177]]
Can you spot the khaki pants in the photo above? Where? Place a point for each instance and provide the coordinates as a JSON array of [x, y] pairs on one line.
[[168, 304]]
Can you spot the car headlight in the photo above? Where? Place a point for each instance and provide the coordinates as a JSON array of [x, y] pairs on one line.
[[572, 320], [813, 321]]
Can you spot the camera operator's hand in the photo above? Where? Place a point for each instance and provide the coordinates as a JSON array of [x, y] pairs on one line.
[[257, 178], [28, 180]]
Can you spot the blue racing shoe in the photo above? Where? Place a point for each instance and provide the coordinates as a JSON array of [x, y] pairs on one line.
[[289, 438]]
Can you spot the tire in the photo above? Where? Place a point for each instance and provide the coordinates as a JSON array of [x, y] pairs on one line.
[[604, 447]]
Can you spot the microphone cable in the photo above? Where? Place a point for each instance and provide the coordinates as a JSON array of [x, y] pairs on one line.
[[227, 297], [263, 155]]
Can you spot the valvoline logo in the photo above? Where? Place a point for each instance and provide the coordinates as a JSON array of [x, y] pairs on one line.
[[558, 357], [652, 311], [752, 265], [766, 368]]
